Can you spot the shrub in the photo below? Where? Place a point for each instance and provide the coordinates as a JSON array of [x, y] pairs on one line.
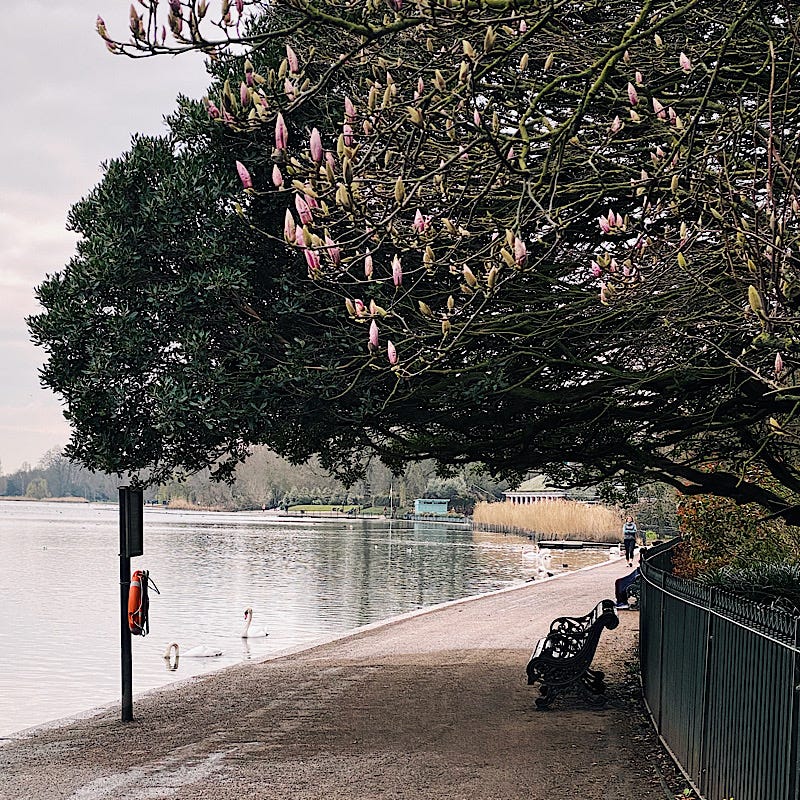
[[719, 533], [774, 585]]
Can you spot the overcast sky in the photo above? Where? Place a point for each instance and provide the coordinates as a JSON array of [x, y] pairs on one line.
[[68, 105]]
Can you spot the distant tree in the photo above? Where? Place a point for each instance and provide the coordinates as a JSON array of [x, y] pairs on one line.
[[61, 473], [37, 489]]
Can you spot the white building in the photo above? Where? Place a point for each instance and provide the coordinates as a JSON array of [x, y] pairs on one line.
[[537, 490]]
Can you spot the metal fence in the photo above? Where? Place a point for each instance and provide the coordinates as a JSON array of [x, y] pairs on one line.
[[721, 679]]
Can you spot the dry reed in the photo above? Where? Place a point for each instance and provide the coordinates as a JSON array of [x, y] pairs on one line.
[[555, 519]]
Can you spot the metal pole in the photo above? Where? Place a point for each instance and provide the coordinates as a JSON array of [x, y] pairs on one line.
[[124, 588]]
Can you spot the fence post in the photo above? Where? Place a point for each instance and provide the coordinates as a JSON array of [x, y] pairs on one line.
[[701, 761], [794, 729], [661, 652]]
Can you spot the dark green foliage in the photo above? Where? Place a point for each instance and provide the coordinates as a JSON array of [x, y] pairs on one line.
[[775, 585], [198, 333]]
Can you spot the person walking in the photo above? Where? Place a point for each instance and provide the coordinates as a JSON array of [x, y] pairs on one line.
[[629, 531]]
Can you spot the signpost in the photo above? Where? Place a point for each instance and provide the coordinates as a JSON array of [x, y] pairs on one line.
[[131, 543]]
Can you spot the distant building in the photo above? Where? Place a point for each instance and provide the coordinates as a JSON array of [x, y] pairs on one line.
[[430, 505], [537, 490]]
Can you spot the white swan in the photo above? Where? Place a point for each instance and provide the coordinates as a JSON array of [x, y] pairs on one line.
[[256, 632], [201, 651]]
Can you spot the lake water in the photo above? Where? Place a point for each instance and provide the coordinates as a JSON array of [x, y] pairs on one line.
[[304, 579]]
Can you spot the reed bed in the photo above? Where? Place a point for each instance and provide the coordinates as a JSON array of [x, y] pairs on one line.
[[554, 519]]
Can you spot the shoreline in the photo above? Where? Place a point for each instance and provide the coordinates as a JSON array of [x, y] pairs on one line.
[[304, 648], [432, 703]]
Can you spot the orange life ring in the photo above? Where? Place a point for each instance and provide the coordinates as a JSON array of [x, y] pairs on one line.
[[138, 604]]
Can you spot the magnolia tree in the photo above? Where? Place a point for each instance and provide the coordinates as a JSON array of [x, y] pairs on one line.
[[556, 236]]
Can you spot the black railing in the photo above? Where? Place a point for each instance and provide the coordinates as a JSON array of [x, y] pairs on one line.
[[721, 680]]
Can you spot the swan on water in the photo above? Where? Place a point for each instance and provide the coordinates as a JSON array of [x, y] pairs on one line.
[[201, 651], [256, 632]]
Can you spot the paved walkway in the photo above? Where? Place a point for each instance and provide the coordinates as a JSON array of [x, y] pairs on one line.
[[432, 706]]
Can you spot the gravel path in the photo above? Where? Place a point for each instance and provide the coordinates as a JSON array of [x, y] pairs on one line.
[[430, 706]]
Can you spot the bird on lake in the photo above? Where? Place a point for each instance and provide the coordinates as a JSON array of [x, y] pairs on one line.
[[255, 632], [201, 651]]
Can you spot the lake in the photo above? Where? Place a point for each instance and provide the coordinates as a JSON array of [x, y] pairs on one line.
[[303, 578]]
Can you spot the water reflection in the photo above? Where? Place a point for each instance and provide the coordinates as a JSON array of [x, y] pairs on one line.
[[59, 593]]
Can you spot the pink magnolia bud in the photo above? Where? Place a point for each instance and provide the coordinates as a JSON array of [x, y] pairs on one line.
[[685, 62], [213, 111], [523, 26], [311, 201], [347, 131], [603, 223], [596, 269], [244, 175], [510, 153], [373, 335], [612, 219], [659, 109], [639, 78], [349, 110], [302, 209], [312, 259], [391, 352], [244, 95], [361, 309], [397, 271], [289, 89], [368, 265], [281, 133], [420, 222], [240, 6], [334, 253], [291, 57], [330, 159], [778, 364], [316, 146], [633, 95], [420, 86], [289, 227], [277, 178], [520, 251], [476, 118], [616, 125]]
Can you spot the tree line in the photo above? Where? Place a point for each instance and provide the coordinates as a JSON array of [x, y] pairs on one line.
[[265, 480]]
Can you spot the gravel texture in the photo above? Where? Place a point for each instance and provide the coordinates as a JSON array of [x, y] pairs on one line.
[[433, 705]]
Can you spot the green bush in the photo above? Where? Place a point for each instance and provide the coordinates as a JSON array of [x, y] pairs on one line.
[[774, 585], [720, 533]]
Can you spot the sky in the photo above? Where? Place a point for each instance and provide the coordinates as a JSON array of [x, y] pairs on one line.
[[68, 106]]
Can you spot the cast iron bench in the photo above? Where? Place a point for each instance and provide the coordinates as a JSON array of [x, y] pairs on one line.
[[562, 660]]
